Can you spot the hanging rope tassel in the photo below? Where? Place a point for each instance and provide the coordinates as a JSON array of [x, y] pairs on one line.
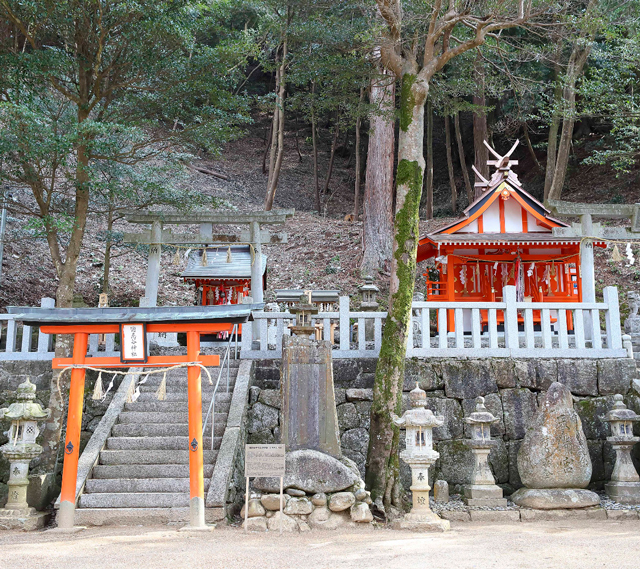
[[98, 391], [204, 257], [229, 257], [161, 394], [616, 257], [176, 259]]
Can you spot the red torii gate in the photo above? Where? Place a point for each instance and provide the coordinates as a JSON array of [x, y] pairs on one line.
[[82, 322]]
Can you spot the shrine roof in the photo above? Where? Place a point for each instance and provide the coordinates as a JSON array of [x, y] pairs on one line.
[[498, 238], [228, 313], [219, 266]]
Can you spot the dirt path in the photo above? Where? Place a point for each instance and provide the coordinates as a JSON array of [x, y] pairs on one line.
[[561, 545]]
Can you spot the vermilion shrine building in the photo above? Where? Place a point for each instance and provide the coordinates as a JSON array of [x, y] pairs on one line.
[[505, 238], [224, 275]]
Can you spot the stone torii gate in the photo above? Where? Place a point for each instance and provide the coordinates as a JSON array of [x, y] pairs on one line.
[[157, 236], [586, 228]]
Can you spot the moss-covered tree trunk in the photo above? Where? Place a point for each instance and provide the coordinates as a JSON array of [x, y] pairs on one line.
[[382, 461]]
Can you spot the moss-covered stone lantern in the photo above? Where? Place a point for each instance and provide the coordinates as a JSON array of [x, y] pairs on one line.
[[419, 455], [24, 415], [483, 490], [624, 486]]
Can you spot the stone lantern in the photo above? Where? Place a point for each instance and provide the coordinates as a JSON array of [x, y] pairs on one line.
[[624, 486], [19, 451], [369, 292], [303, 311], [419, 455], [483, 490]]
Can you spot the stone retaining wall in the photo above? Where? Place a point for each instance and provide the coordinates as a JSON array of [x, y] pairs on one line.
[[512, 389]]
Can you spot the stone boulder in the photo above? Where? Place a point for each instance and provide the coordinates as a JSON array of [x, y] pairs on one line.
[[341, 501], [288, 524], [554, 453], [360, 513], [311, 471]]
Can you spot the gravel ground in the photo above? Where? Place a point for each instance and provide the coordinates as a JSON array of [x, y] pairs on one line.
[[567, 545]]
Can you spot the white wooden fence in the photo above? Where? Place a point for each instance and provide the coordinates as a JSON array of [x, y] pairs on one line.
[[493, 329]]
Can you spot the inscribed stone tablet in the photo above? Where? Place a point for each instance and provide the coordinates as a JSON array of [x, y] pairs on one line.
[[264, 460]]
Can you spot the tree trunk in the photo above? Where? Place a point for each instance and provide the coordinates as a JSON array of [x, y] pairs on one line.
[[64, 295], [554, 127], [297, 143], [480, 128], [107, 248], [452, 179], [577, 60], [532, 153], [377, 226], [267, 148], [275, 164], [463, 161], [356, 200], [382, 475], [428, 174], [314, 141], [332, 155]]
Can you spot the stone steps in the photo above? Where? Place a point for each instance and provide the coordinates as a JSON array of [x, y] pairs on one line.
[[222, 405], [166, 418], [142, 475], [136, 485], [141, 516], [162, 429], [152, 456], [157, 443], [129, 471], [181, 396], [135, 500]]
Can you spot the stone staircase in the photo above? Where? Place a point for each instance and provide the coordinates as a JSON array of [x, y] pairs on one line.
[[142, 474]]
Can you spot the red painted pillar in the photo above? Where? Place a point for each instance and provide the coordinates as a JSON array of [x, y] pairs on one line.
[[196, 480], [72, 442]]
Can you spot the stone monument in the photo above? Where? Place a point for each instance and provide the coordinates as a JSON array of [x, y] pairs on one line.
[[323, 489], [308, 403], [553, 461], [19, 451], [419, 455], [483, 490], [624, 486]]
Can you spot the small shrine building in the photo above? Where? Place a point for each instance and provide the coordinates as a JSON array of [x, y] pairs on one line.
[[504, 238], [222, 274]]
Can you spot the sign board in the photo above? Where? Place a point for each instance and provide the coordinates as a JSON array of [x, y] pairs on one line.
[[133, 339], [264, 460]]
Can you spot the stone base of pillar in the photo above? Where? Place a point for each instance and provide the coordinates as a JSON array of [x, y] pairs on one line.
[[483, 495], [427, 521], [623, 492], [26, 520], [555, 498]]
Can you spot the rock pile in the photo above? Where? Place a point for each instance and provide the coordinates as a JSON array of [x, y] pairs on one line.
[[321, 492]]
